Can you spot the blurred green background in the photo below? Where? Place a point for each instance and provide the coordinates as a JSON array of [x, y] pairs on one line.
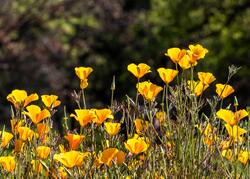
[[41, 41]]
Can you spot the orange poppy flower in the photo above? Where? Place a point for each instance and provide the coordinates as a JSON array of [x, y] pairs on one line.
[[141, 126], [167, 75], [42, 129], [83, 73], [148, 90], [243, 156], [71, 159], [197, 87], [230, 117], [83, 116], [196, 52], [20, 99], [206, 78], [139, 70], [43, 152], [185, 63], [224, 91], [8, 163], [112, 128], [18, 145], [235, 132], [5, 138], [136, 145], [35, 113], [111, 155], [175, 54], [37, 166], [101, 115], [25, 133], [15, 124], [161, 116], [74, 140], [50, 101]]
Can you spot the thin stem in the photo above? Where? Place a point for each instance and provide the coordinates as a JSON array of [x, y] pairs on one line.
[[167, 108], [83, 99], [137, 93]]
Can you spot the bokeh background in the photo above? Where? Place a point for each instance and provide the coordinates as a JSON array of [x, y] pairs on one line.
[[41, 41]]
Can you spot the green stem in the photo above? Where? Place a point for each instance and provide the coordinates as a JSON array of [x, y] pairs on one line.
[[137, 93], [83, 99]]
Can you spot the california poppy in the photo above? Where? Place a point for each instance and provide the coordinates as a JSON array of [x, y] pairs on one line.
[[167, 75], [83, 116], [50, 101], [35, 113], [230, 117], [224, 91], [112, 128], [71, 159], [74, 140], [148, 90], [139, 70], [19, 98], [83, 73], [8, 163]]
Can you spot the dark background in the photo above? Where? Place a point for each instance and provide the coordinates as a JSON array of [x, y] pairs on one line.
[[41, 41]]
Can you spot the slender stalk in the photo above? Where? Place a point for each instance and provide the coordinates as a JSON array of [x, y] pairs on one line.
[[163, 98], [137, 93], [83, 99], [112, 92], [167, 108]]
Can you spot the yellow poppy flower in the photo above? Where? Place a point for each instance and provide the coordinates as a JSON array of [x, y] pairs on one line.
[[25, 133], [8, 163], [42, 129], [197, 87], [71, 159], [62, 148], [19, 98], [224, 91], [83, 116], [225, 144], [148, 90], [15, 124], [196, 52], [161, 116], [112, 128], [235, 132], [167, 75], [83, 73], [175, 54], [18, 145], [230, 117], [138, 70], [50, 101], [62, 173], [74, 140], [101, 115], [43, 152], [37, 166], [206, 78], [141, 126], [228, 153], [111, 154], [185, 63], [35, 113], [5, 138], [243, 156], [209, 137], [136, 146]]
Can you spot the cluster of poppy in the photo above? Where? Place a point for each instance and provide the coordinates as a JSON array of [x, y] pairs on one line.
[[31, 124]]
